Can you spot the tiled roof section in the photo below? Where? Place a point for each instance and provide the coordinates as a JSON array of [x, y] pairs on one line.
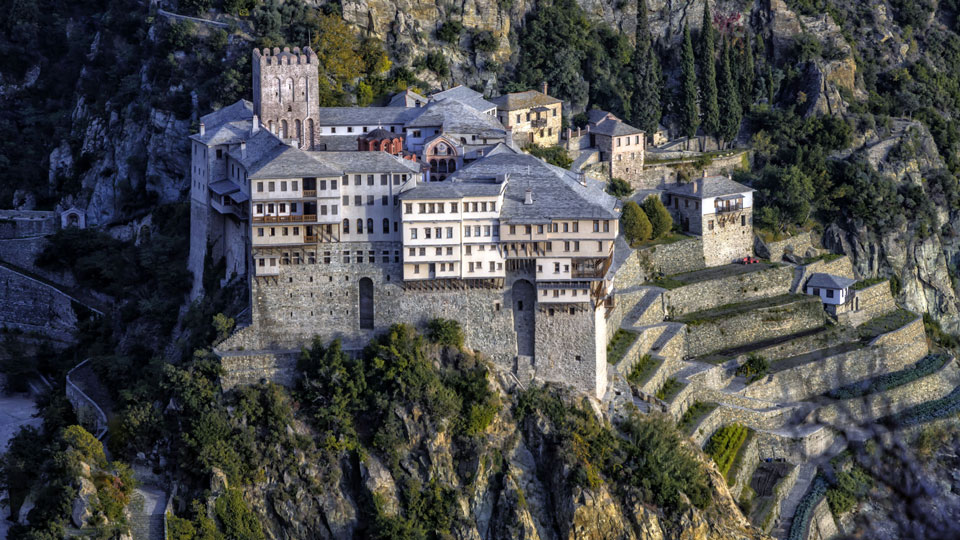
[[711, 186], [241, 110], [336, 143], [223, 187], [596, 115], [381, 133], [557, 193], [261, 147], [614, 128], [369, 116], [407, 98], [228, 133], [455, 117], [467, 96], [291, 162], [829, 281], [524, 100], [379, 162], [453, 189]]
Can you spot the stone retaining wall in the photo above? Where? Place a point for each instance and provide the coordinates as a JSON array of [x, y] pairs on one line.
[[666, 259], [822, 525], [729, 290], [874, 406], [32, 306], [725, 413], [89, 414], [890, 352], [656, 175], [242, 369], [870, 302], [753, 325], [748, 464], [798, 245], [802, 345]]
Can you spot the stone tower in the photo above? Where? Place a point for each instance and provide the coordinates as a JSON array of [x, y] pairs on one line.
[[285, 92]]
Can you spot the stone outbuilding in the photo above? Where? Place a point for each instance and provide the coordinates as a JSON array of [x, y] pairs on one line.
[[73, 217], [832, 290]]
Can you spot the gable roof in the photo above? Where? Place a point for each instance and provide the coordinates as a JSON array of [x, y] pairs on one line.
[[829, 281], [710, 186], [467, 96], [557, 193], [407, 98], [355, 162], [240, 110], [370, 116], [524, 100], [455, 117], [614, 128], [290, 162], [261, 146]]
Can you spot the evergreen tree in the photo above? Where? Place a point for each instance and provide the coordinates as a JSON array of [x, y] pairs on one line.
[[645, 68], [659, 216], [689, 113], [747, 73], [708, 74], [636, 226], [729, 101]]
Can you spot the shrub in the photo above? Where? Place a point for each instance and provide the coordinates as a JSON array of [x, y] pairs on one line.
[[445, 332], [851, 487], [484, 41], [450, 31], [636, 226], [553, 155], [658, 215], [724, 445], [89, 448], [669, 389], [437, 63], [643, 369], [619, 344], [239, 522], [692, 416], [754, 369], [619, 188]]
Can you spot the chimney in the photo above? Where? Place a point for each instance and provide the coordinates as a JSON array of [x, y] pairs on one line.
[[243, 149], [704, 173], [528, 196], [543, 88], [256, 124], [203, 129], [696, 187]]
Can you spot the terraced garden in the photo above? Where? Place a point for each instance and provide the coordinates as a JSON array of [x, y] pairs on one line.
[[884, 324], [926, 412], [926, 366], [619, 345], [726, 310], [709, 274], [694, 414], [725, 447], [645, 367]]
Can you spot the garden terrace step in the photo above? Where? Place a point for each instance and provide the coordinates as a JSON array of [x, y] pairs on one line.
[[781, 346]]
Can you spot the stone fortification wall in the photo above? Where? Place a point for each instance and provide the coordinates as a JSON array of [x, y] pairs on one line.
[[867, 304], [240, 368], [657, 174], [23, 252], [26, 223], [729, 290], [753, 325], [874, 406], [799, 245], [666, 259], [890, 352], [32, 306], [569, 341]]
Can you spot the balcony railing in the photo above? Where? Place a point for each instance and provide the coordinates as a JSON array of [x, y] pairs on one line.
[[725, 209], [304, 218], [539, 122], [309, 193]]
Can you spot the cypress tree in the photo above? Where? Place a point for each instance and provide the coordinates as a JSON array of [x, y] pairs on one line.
[[659, 216], [747, 73], [635, 224], [708, 74], [730, 110], [645, 67], [689, 114]]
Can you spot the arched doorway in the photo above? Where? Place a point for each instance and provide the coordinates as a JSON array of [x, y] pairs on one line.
[[524, 316], [366, 303]]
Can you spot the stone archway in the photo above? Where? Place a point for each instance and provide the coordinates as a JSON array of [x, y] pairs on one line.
[[366, 303], [524, 316]]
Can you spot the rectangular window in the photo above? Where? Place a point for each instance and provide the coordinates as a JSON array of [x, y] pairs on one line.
[[271, 186], [358, 179], [576, 226], [285, 231], [293, 208], [283, 186], [384, 200], [259, 209], [273, 231], [439, 251], [407, 208], [294, 185], [426, 232], [259, 187], [486, 230], [596, 226], [413, 252], [496, 231], [346, 200], [369, 179], [539, 229], [413, 234], [423, 208], [333, 209], [397, 178], [513, 229], [449, 251], [333, 184], [528, 229], [439, 232], [556, 268], [606, 226], [466, 231], [829, 293], [369, 200], [453, 207], [296, 231], [357, 200], [416, 269], [600, 246], [383, 179], [476, 231], [260, 231], [468, 250], [323, 185], [323, 210], [423, 251]]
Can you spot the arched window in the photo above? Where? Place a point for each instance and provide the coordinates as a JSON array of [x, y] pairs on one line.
[[384, 145], [298, 128], [271, 127], [283, 129], [359, 226], [463, 141], [433, 165], [442, 166], [386, 226], [346, 226], [369, 225]]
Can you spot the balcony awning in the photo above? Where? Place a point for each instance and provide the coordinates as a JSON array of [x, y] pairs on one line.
[[224, 187], [239, 197], [540, 109], [730, 197]]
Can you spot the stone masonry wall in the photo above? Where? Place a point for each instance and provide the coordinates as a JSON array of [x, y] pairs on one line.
[[891, 352], [730, 239], [667, 259], [753, 325], [656, 175], [799, 245], [31, 306], [571, 348], [241, 369], [23, 252], [872, 302], [730, 290]]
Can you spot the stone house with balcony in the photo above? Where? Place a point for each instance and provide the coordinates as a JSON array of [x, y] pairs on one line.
[[533, 117], [610, 143], [718, 210]]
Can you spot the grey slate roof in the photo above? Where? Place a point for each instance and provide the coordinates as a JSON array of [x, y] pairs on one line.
[[467, 96], [261, 147], [407, 98], [370, 116], [596, 115], [614, 128], [223, 187], [453, 189], [336, 143], [523, 100], [350, 162], [557, 193], [455, 117], [829, 281], [291, 162], [241, 110], [711, 186]]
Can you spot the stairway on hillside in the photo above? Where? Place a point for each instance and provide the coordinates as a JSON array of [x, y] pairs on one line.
[[148, 506]]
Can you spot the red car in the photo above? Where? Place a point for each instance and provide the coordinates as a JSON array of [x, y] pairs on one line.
[[749, 260]]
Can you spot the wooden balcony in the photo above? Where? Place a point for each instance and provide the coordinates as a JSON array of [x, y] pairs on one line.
[[309, 193], [539, 122], [304, 218]]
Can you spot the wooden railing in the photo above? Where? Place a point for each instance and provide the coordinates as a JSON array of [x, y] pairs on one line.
[[304, 218], [538, 122], [309, 193]]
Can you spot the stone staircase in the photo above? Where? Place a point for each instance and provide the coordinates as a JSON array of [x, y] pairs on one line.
[[148, 505]]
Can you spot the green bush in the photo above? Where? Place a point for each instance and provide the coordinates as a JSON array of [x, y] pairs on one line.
[[445, 332], [239, 522], [619, 344], [619, 188], [484, 41], [724, 445], [669, 389], [658, 215], [636, 226], [450, 31], [692, 416], [754, 369], [554, 155], [641, 372], [852, 486]]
